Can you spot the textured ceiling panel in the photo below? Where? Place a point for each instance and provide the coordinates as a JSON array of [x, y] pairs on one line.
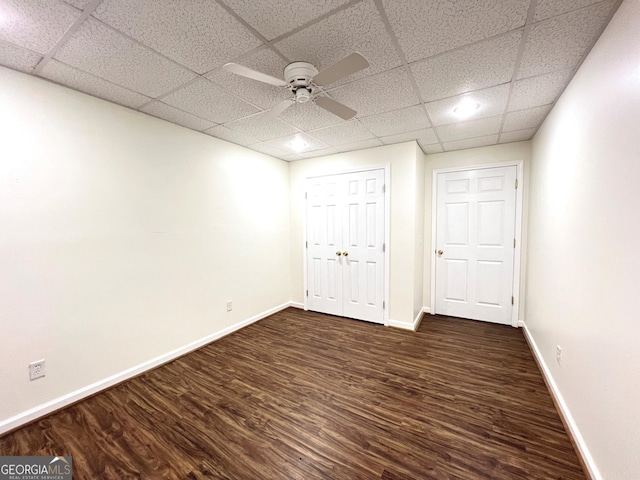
[[99, 50], [471, 129], [424, 137], [261, 94], [517, 135], [383, 92], [477, 66], [18, 58], [523, 119], [550, 8], [36, 25], [262, 128], [198, 34], [272, 18], [397, 121], [426, 28], [425, 56], [206, 100], [343, 133], [172, 114], [233, 136], [84, 82], [356, 29], [561, 42], [307, 116], [492, 102], [471, 143], [360, 145], [535, 91]]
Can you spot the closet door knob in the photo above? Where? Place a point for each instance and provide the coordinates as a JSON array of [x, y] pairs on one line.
[[338, 253], [345, 253], [440, 252]]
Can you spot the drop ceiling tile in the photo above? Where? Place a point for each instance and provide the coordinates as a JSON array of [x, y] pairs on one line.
[[81, 4], [550, 8], [262, 128], [428, 28], [273, 18], [361, 145], [517, 135], [307, 116], [522, 119], [320, 153], [257, 93], [87, 83], [103, 52], [473, 128], [283, 143], [172, 114], [541, 90], [476, 66], [356, 29], [562, 41], [425, 136], [233, 136], [381, 93], [431, 149], [471, 143], [36, 25], [267, 149], [492, 102], [18, 58], [397, 121], [199, 34], [207, 100], [343, 133]]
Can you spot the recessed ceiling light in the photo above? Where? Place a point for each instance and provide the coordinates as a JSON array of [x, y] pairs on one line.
[[298, 144], [466, 107]]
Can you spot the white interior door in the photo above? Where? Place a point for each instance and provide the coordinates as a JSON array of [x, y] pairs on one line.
[[345, 245], [475, 243]]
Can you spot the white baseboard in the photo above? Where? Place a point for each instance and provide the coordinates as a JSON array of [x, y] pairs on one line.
[[297, 305], [27, 416], [564, 409], [409, 325]]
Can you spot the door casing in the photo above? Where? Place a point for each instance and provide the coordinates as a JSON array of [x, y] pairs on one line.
[[387, 217], [519, 164]]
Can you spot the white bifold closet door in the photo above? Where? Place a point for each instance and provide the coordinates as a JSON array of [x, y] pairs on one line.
[[345, 245]]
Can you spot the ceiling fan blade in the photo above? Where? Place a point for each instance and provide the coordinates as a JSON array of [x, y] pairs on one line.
[[278, 109], [345, 67], [330, 105], [253, 74]]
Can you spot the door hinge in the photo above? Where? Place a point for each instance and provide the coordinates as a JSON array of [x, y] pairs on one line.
[[307, 293], [384, 247], [512, 300], [305, 195], [516, 183], [383, 305], [514, 243], [306, 244], [384, 188]]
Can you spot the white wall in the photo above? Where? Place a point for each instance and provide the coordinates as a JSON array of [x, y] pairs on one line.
[[404, 162], [508, 152], [584, 247], [122, 237]]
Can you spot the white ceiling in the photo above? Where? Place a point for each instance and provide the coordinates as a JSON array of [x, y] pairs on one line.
[[163, 58]]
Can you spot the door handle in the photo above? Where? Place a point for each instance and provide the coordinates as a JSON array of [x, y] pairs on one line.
[[440, 252], [346, 254], [338, 253]]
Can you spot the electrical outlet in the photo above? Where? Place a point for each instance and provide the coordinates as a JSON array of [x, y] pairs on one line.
[[229, 306], [559, 354], [36, 369]]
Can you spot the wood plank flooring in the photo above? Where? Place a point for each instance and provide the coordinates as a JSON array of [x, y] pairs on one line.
[[300, 395]]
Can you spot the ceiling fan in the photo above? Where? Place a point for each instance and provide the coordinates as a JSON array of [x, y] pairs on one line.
[[306, 84]]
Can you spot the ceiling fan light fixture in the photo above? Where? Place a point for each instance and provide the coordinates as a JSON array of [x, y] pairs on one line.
[[466, 108], [298, 144]]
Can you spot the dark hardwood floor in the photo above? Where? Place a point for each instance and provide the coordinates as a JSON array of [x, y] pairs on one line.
[[301, 395]]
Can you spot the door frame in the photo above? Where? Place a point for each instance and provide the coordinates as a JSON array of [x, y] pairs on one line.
[[387, 230], [519, 164]]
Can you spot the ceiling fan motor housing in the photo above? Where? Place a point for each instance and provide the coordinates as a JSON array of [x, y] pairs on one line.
[[299, 74]]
